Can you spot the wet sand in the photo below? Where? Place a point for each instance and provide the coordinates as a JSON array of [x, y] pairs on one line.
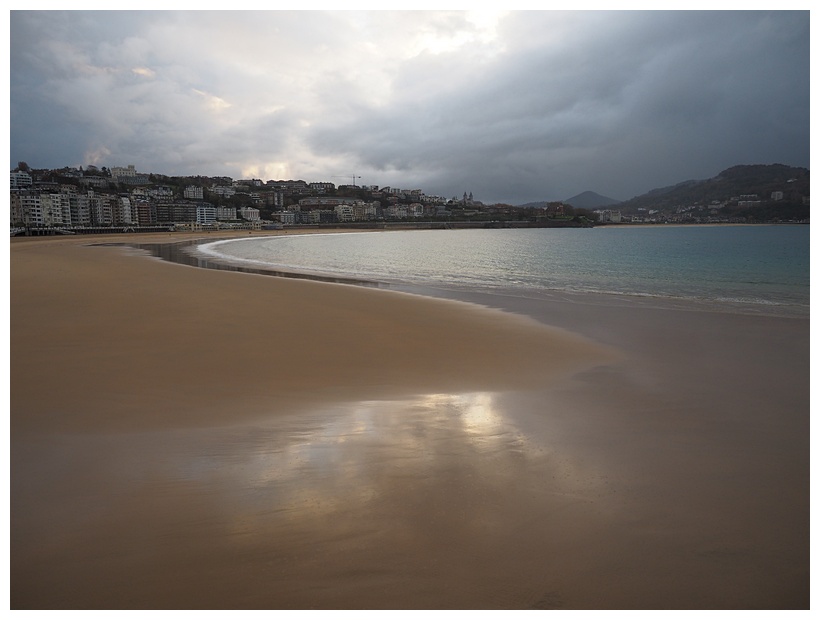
[[186, 438]]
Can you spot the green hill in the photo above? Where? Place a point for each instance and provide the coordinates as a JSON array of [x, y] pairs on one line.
[[736, 189]]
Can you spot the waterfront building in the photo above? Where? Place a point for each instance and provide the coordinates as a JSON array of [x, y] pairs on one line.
[[225, 214], [123, 214], [80, 208], [15, 210], [286, 217], [145, 213], [56, 209], [32, 210], [249, 213], [396, 211], [344, 212], [365, 211], [171, 212], [205, 214]]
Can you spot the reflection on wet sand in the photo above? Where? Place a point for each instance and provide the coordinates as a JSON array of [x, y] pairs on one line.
[[418, 503], [672, 475]]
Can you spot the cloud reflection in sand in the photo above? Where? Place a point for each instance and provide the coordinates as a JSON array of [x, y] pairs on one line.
[[350, 454], [346, 498]]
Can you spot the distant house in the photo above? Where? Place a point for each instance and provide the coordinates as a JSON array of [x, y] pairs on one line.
[[120, 174], [607, 215], [128, 176]]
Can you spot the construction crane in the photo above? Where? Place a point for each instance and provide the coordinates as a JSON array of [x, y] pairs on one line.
[[352, 178]]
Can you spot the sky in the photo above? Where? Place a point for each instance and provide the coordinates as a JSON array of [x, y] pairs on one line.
[[512, 107]]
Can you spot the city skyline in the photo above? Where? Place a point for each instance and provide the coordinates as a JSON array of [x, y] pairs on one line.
[[515, 106]]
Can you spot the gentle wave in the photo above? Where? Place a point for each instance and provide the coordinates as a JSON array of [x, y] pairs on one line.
[[766, 266]]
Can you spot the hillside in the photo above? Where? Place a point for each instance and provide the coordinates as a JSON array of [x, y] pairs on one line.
[[728, 187]]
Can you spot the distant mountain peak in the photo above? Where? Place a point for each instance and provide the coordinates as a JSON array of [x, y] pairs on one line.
[[590, 200]]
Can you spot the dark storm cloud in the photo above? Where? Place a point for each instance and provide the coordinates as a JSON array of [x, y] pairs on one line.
[[516, 107], [654, 99]]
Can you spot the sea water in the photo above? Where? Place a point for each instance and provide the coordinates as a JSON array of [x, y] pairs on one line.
[[763, 266]]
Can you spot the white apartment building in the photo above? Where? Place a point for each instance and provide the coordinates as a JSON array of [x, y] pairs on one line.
[[56, 209], [344, 213], [225, 192], [50, 212], [35, 209], [20, 179], [122, 211], [161, 192], [15, 210], [286, 217], [74, 209], [365, 211], [205, 214], [396, 211], [249, 213], [80, 205], [193, 192], [415, 210], [102, 210], [31, 211], [94, 181], [32, 207], [277, 199], [225, 214]]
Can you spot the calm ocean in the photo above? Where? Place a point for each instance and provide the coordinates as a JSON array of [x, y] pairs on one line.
[[763, 267]]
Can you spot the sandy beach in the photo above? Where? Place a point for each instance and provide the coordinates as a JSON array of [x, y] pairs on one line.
[[190, 438]]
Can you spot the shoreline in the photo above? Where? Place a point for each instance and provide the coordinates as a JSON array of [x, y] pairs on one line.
[[178, 253], [82, 308], [191, 438]]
